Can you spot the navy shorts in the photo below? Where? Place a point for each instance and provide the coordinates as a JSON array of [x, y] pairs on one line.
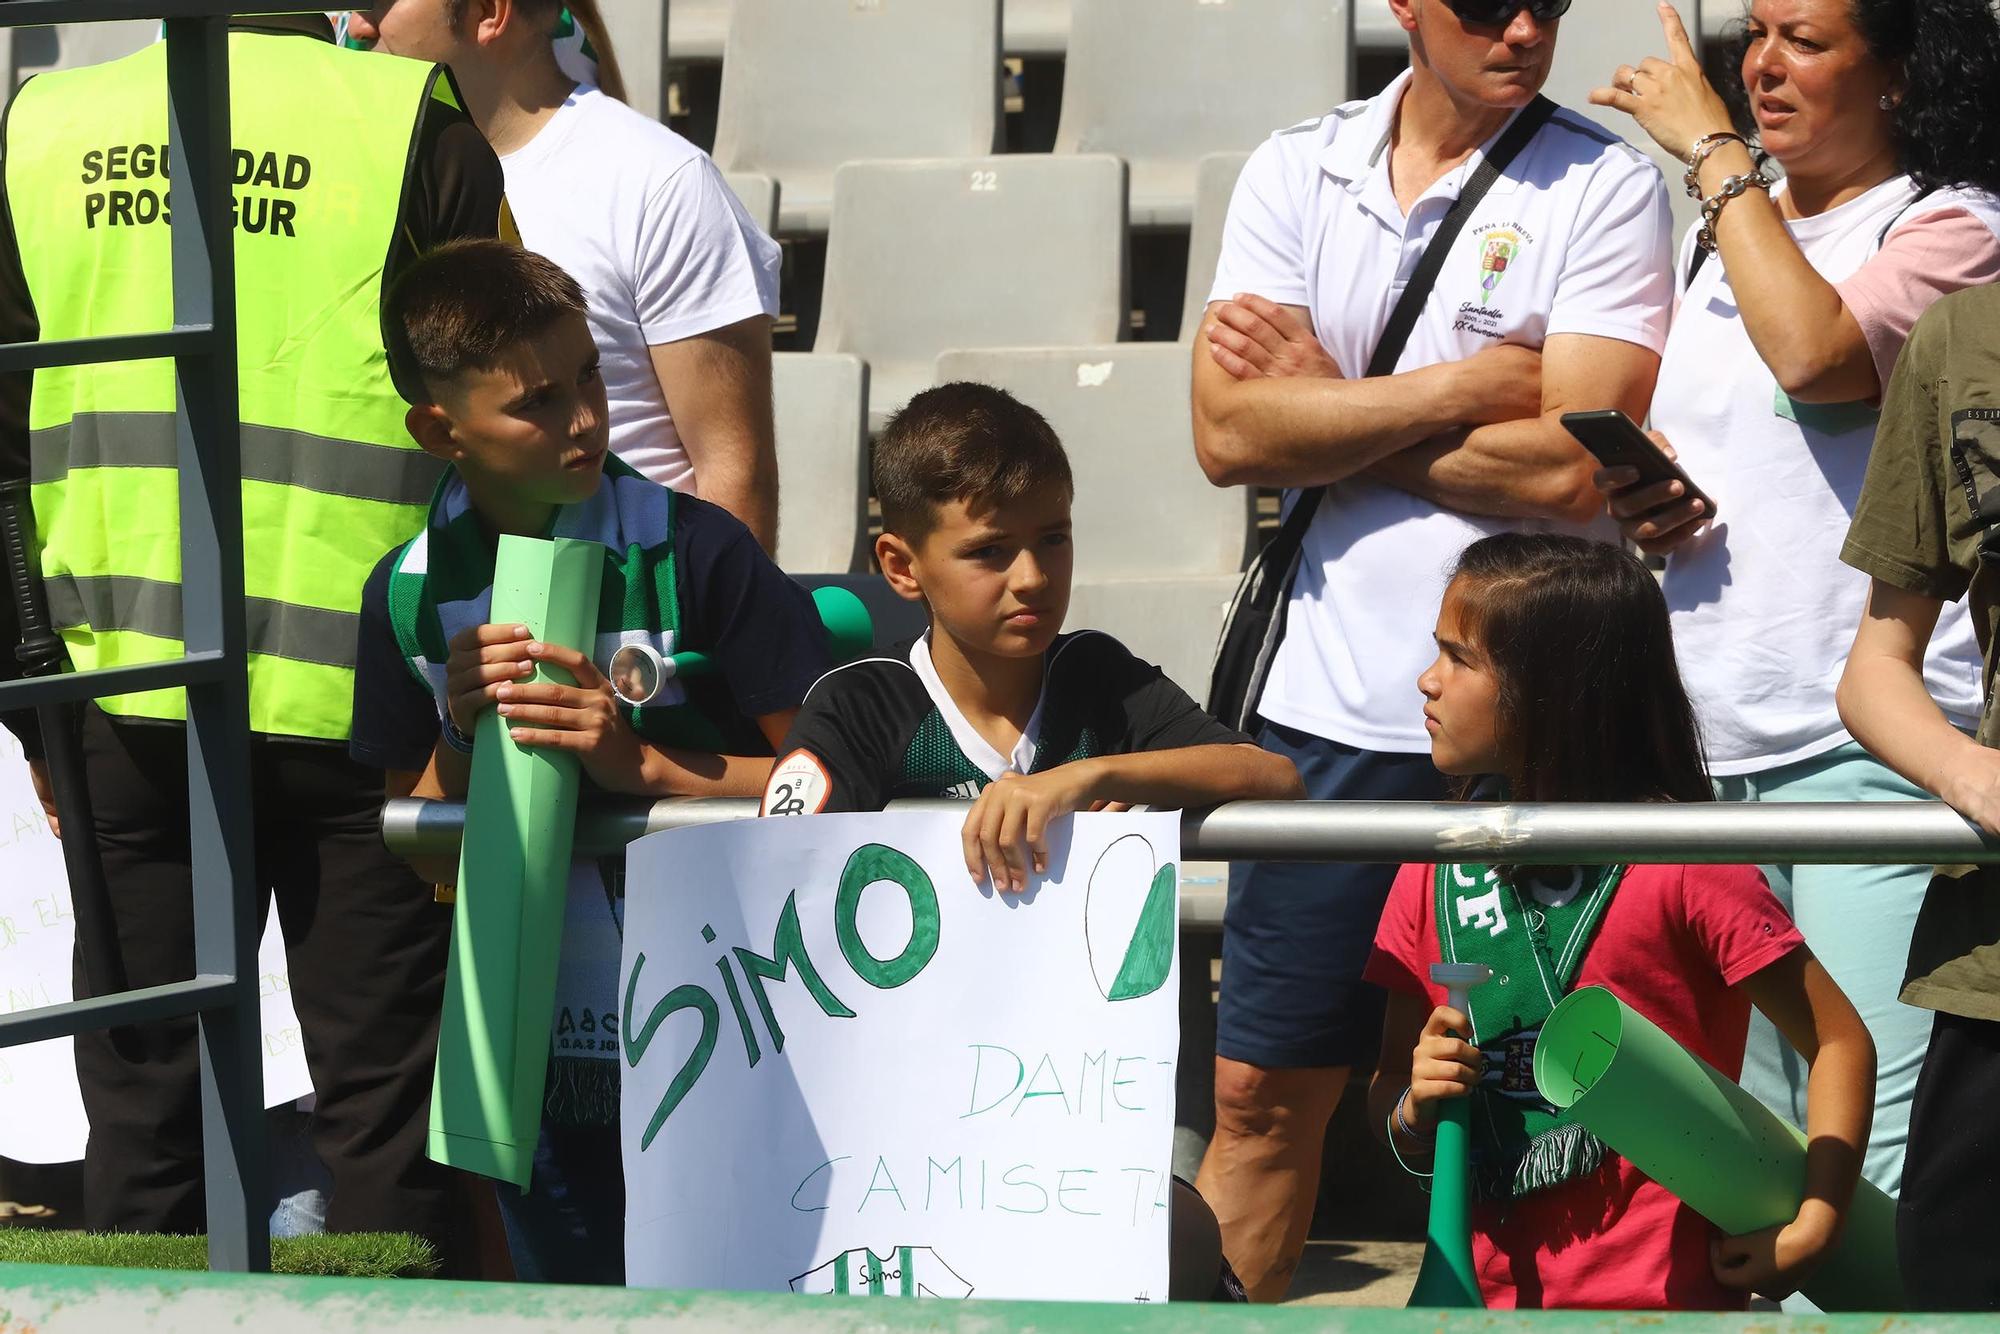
[[1296, 935]]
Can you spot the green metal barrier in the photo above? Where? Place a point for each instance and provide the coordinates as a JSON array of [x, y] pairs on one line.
[[38, 1300]]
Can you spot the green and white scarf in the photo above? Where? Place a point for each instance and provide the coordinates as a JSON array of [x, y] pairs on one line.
[[1535, 943], [442, 583]]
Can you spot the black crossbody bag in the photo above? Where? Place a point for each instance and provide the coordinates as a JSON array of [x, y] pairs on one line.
[[1255, 624]]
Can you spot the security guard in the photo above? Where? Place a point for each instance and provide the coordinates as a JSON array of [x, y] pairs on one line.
[[346, 165]]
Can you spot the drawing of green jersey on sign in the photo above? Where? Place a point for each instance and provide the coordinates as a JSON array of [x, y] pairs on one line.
[[905, 1271]]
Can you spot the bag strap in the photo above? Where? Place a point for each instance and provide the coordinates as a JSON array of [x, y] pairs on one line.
[[1410, 305]]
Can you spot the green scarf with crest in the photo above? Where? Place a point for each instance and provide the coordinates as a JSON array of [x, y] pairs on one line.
[[1534, 936]]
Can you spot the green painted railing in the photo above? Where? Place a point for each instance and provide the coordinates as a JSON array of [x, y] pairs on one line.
[[38, 1300]]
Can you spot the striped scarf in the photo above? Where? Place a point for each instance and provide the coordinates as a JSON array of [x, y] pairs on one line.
[[1535, 942], [442, 584]]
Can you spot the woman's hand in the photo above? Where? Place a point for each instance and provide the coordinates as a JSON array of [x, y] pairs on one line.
[[1775, 1261], [1656, 517], [1671, 99], [582, 718], [1442, 1066]]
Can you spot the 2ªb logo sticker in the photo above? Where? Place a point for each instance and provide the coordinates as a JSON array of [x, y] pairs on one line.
[[1130, 915]]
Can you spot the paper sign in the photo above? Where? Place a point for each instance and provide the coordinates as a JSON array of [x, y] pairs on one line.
[[41, 1111], [849, 1070]]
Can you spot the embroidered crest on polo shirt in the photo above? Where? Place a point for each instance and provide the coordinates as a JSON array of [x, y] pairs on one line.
[[1497, 246]]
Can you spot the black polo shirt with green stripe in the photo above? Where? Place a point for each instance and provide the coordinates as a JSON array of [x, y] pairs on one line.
[[884, 729]]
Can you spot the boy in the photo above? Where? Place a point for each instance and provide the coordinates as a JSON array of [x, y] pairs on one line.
[[994, 705], [490, 346], [1926, 530]]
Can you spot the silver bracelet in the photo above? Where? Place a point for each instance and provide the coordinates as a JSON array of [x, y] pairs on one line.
[[1698, 153], [1711, 207], [1392, 1121], [1404, 1125]]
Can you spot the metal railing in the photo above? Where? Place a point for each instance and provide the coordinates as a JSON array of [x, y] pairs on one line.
[[222, 995], [1395, 831]]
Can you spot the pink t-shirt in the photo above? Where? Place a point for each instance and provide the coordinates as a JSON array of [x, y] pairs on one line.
[[1921, 260], [1674, 943]]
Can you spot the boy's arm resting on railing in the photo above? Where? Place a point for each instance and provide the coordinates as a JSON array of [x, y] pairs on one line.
[[1885, 704]]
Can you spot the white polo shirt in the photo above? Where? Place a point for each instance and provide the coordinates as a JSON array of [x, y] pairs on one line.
[[1575, 238]]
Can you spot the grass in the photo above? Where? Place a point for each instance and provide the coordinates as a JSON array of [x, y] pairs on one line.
[[337, 1254]]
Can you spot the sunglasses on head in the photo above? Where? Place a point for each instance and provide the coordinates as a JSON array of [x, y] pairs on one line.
[[1497, 12]]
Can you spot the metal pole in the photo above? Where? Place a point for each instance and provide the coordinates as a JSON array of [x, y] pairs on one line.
[[218, 710], [1368, 831]]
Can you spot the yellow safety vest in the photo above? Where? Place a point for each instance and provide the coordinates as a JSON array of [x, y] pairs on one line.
[[323, 145]]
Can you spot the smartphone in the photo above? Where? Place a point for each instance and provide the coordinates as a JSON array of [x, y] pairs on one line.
[[1617, 442]]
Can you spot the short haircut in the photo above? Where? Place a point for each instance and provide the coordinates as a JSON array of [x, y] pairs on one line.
[[963, 441], [461, 306]]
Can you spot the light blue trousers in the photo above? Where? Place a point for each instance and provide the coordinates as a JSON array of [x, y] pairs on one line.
[[1857, 920]]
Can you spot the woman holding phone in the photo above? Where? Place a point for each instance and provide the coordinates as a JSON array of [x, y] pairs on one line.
[[1796, 295]]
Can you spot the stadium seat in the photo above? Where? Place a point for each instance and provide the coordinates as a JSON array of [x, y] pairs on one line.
[[1162, 82], [1018, 251], [810, 84], [28, 51], [820, 401], [1214, 182], [638, 36], [758, 195], [1158, 548], [1035, 28], [696, 29]]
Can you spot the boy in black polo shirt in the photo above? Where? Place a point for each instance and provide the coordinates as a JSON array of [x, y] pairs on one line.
[[994, 705]]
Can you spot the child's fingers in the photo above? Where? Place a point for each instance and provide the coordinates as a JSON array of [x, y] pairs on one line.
[[548, 738], [479, 636], [1013, 844], [544, 715], [1444, 1019], [576, 664], [1037, 836], [548, 692], [475, 675], [969, 840]]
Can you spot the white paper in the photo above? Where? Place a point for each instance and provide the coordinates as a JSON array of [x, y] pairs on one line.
[[41, 1111], [989, 1122]]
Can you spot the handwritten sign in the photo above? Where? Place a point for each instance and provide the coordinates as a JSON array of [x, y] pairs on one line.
[[41, 1111], [850, 1070]]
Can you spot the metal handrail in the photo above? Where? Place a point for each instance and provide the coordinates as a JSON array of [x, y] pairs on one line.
[[1394, 831]]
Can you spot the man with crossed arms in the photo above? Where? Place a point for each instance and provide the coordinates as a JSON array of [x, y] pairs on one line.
[[1554, 298]]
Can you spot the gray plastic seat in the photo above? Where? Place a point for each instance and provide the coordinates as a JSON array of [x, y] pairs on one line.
[[1214, 182], [1023, 250], [821, 409], [1158, 549], [29, 51], [639, 36], [1034, 27], [1163, 82], [697, 30], [810, 84], [758, 194]]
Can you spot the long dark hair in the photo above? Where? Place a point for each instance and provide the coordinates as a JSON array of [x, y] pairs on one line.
[[1947, 125], [1591, 703]]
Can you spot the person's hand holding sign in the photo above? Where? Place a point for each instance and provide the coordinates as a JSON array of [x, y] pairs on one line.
[[1006, 833]]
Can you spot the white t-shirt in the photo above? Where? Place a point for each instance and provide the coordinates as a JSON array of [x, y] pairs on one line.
[[1763, 610], [642, 219], [1574, 238]]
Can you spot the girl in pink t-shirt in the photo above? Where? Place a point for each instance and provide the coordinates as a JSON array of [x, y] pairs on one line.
[[1555, 675]]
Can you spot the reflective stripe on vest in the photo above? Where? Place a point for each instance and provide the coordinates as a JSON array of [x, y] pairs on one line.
[[331, 479]]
